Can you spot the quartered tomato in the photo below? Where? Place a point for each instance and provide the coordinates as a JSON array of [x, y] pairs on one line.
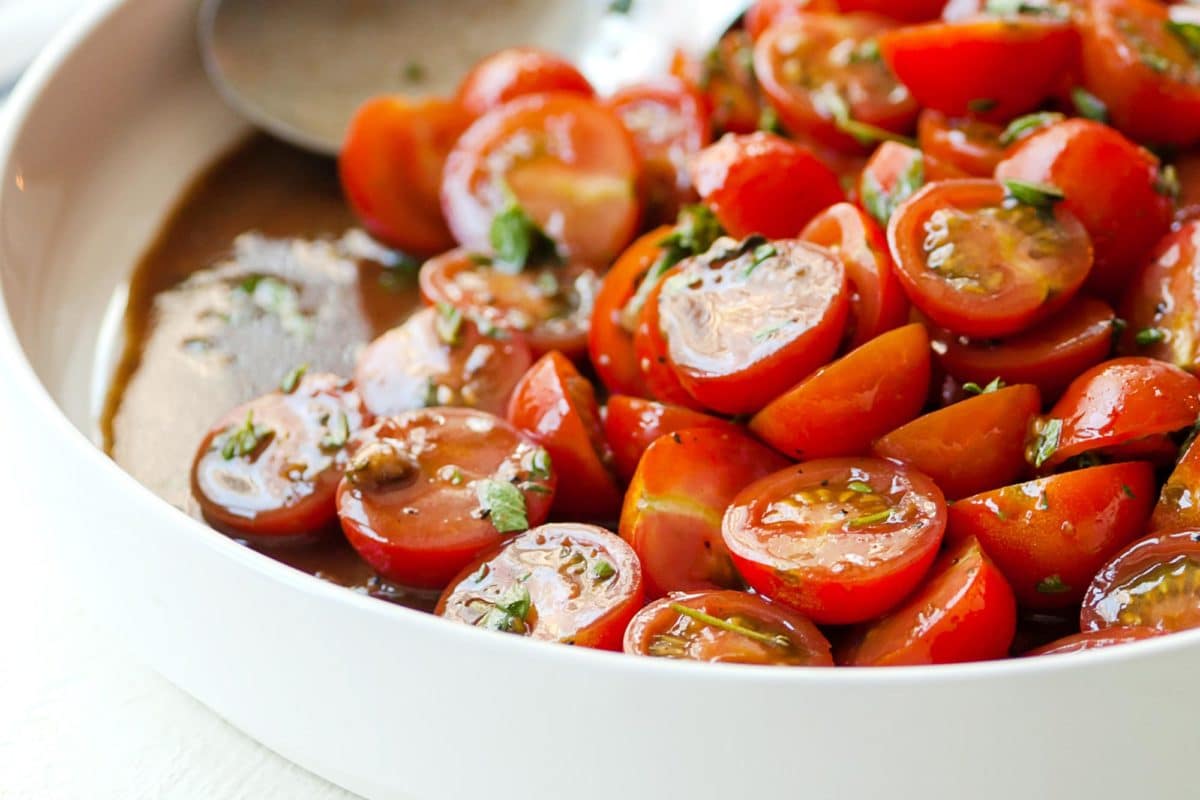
[[517, 71], [572, 584], [426, 492], [765, 13], [761, 183], [1049, 536], [894, 172], [1153, 583], [632, 424], [391, 169], [269, 469], [556, 407], [841, 408], [562, 161], [981, 262], [745, 320], [726, 627], [971, 446], [1093, 640], [966, 143], [964, 611], [1178, 506], [839, 540], [1162, 306], [672, 511], [438, 357]]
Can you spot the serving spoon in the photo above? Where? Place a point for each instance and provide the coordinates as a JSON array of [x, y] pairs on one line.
[[300, 68]]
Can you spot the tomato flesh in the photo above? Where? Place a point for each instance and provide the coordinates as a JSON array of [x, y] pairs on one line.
[[517, 71], [631, 424], [1153, 583]]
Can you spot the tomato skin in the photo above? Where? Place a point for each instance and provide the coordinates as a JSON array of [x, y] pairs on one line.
[[1125, 215], [765, 13], [1128, 592], [514, 72], [390, 167], [968, 447], [1050, 536], [970, 145], [1165, 297], [1178, 506], [900, 10], [672, 511], [761, 183], [842, 407], [650, 348], [965, 611], [1093, 640], [631, 424], [894, 172]]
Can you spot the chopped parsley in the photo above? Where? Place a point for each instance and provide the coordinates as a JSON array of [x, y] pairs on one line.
[[414, 72]]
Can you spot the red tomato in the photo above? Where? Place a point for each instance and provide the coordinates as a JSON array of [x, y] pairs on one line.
[[902, 10], [269, 469], [650, 348], [1153, 583], [1187, 172], [894, 172], [765, 13], [970, 446], [970, 145], [726, 79], [573, 584], [1122, 207], [517, 71], [841, 408], [672, 511], [727, 627], [426, 492], [1162, 306], [760, 183], [964, 611], [1178, 506], [840, 540], [563, 159], [1049, 536], [631, 424], [975, 260], [391, 169], [742, 322], [556, 407], [1093, 640]]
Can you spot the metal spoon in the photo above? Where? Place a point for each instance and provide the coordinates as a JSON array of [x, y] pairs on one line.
[[300, 68]]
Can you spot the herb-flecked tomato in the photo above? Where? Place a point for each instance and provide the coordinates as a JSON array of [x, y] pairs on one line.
[[842, 407], [573, 584], [438, 357], [517, 71], [549, 306], [631, 424], [970, 446], [1050, 535], [901, 10], [745, 320], [839, 540], [1153, 583], [1162, 305], [894, 173], [1093, 640], [1122, 206], [563, 160], [1178, 505], [765, 13], [556, 407], [270, 468], [726, 79], [823, 76], [727, 627], [391, 169], [965, 611], [968, 144], [672, 511], [761, 183], [650, 348], [981, 262], [425, 492]]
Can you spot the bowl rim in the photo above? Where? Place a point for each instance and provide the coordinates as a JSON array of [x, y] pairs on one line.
[[25, 383]]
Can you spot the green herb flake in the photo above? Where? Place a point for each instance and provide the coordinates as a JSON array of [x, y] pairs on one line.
[[1128, 492], [1148, 336], [540, 464], [1188, 33], [870, 519], [859, 486], [1046, 443], [1088, 105], [293, 378], [602, 570], [1052, 585], [1166, 182], [1038, 195], [880, 203], [974, 388], [768, 120], [448, 322], [338, 434], [1157, 62], [866, 53], [837, 109], [503, 504], [982, 105], [1118, 329], [777, 640], [510, 612], [518, 241], [245, 439], [761, 253], [1021, 127]]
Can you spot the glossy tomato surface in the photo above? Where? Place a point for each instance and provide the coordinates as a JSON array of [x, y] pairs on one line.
[[1178, 506], [1092, 640], [517, 71], [1162, 306], [631, 424], [968, 144], [1153, 583], [894, 173]]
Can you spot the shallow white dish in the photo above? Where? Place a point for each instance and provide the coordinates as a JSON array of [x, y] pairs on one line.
[[103, 134]]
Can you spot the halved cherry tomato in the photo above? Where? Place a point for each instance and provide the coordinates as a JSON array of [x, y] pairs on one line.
[[1162, 306], [902, 10], [1093, 640], [1049, 536], [964, 611], [650, 348], [970, 446], [426, 492], [745, 320], [517, 71], [1178, 505], [841, 408], [566, 161], [573, 584], [391, 169], [1153, 583], [270, 468], [726, 79], [839, 540], [672, 511], [823, 76], [1187, 172], [1116, 403], [1122, 205], [894, 172], [556, 407], [969, 144], [981, 263], [727, 627], [549, 306], [765, 13], [438, 357], [760, 183], [631, 424]]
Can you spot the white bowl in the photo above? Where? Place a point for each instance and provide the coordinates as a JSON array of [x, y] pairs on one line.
[[104, 133]]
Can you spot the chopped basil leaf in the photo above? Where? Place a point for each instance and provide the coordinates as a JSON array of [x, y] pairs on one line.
[[1149, 336], [974, 388], [518, 241], [1166, 182], [982, 105], [1053, 585], [860, 486], [836, 107], [539, 464], [448, 324], [245, 439], [879, 203], [293, 378], [337, 436], [1088, 105], [503, 504], [1047, 441], [870, 519], [602, 570], [1038, 195], [510, 611], [1188, 33], [1021, 127]]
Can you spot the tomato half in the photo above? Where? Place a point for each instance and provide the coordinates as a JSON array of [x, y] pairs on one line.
[[650, 348], [1153, 583], [839, 540], [968, 144], [765, 13], [1162, 306], [1178, 505], [572, 584], [514, 72], [1093, 640], [631, 424], [981, 263], [894, 173]]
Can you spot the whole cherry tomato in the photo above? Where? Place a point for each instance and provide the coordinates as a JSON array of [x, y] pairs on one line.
[[517, 71], [631, 424], [1153, 583], [1162, 306]]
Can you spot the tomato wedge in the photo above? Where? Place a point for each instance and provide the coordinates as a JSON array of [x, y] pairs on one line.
[[840, 540], [1153, 583], [517, 71], [1162, 305], [631, 424], [894, 173], [1178, 506], [968, 144], [1093, 640]]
